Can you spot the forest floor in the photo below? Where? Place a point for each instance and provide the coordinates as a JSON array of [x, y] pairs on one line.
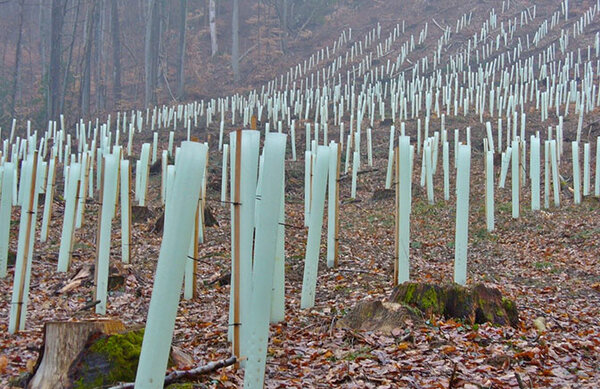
[[547, 261]]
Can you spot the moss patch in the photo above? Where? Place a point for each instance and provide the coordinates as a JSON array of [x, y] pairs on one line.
[[478, 304], [108, 359]]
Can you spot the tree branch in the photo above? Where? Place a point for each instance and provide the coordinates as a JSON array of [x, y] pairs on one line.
[[187, 374]]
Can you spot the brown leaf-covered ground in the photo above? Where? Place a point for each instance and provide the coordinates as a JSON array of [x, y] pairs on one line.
[[546, 261]]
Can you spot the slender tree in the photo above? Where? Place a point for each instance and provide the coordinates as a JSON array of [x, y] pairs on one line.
[[212, 18], [69, 58], [56, 25], [181, 53], [151, 47], [99, 60], [16, 73], [235, 41], [87, 59], [116, 45]]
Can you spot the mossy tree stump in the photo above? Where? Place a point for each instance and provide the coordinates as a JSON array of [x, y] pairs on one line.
[[476, 305], [92, 354], [63, 342], [413, 302]]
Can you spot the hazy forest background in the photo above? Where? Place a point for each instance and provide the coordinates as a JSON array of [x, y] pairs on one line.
[[85, 58]]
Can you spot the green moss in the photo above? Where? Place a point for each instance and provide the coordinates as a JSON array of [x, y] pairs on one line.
[[410, 293], [185, 385], [430, 300], [111, 359], [508, 304]]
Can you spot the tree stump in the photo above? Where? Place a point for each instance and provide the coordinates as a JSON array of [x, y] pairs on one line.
[[63, 341], [412, 302], [476, 305], [92, 354]]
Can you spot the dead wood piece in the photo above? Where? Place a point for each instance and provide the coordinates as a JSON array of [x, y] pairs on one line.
[[209, 219], [378, 315], [140, 214], [383, 194], [179, 375], [85, 273], [222, 280], [88, 305]]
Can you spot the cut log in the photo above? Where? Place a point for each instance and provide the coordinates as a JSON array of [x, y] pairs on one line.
[[63, 341]]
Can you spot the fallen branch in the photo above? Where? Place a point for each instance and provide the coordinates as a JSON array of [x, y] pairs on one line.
[[187, 374], [437, 24], [452, 377], [88, 305], [519, 381]]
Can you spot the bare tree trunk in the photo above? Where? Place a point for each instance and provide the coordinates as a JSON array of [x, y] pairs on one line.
[[235, 41], [151, 52], [161, 54], [284, 26], [56, 23], [212, 17], [100, 18], [87, 60], [44, 33], [17, 71], [181, 54], [116, 43], [69, 59]]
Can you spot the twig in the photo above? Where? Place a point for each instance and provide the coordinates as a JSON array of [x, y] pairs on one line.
[[452, 377], [361, 271], [246, 53], [519, 381], [187, 374], [88, 305], [441, 28], [303, 329]]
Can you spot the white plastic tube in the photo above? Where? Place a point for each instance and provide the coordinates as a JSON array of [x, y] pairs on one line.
[[8, 178], [109, 184], [534, 172], [515, 175], [576, 173], [66, 239], [264, 260], [404, 206], [243, 196], [309, 282], [179, 221], [48, 200], [390, 164], [489, 189], [20, 295], [125, 211], [462, 214], [332, 204]]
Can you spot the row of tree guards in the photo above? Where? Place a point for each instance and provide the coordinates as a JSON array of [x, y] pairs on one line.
[[95, 164], [257, 226]]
